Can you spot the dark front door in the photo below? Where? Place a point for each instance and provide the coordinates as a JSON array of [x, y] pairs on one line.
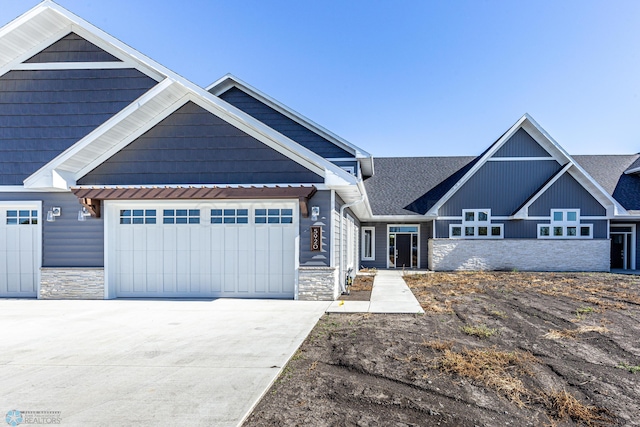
[[617, 250], [403, 250]]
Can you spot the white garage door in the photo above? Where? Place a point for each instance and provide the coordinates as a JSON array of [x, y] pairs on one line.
[[202, 249], [20, 248]]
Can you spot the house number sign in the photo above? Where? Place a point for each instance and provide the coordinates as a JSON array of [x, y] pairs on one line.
[[316, 239]]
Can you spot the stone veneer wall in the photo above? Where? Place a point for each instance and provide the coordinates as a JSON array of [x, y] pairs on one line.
[[71, 283], [317, 284], [519, 254]]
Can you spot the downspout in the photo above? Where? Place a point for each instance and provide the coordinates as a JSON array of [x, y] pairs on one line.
[[341, 243]]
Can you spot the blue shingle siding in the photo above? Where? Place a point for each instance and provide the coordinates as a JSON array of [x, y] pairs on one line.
[[44, 112], [566, 193], [66, 242], [521, 144], [193, 146], [500, 186], [72, 48], [322, 199], [283, 124]]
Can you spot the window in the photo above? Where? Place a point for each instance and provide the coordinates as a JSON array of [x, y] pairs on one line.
[[229, 216], [274, 216], [476, 224], [22, 217], [181, 216], [368, 243], [137, 216], [565, 224]]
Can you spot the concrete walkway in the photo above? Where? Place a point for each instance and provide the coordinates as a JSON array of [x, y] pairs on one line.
[[390, 294]]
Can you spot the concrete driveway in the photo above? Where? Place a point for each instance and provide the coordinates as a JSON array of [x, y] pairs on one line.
[[149, 363]]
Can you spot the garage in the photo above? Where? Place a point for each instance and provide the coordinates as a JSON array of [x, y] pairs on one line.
[[20, 248], [201, 249]]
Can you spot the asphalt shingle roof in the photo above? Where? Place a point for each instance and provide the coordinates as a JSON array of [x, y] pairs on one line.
[[412, 185]]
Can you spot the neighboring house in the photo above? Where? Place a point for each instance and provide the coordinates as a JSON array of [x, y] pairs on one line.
[[119, 178]]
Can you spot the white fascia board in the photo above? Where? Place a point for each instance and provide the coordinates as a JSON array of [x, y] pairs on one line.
[[433, 212], [612, 206], [43, 177], [632, 171], [523, 212], [229, 80], [22, 189], [272, 138], [526, 122]]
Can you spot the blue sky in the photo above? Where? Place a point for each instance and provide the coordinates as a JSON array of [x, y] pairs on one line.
[[406, 78]]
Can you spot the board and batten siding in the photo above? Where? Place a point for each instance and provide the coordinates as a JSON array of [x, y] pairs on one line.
[[193, 146], [567, 193], [521, 144], [500, 186], [283, 124], [66, 242], [44, 112]]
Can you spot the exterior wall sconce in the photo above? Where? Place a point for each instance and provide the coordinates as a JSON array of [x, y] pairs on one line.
[[53, 213], [315, 212], [83, 213]]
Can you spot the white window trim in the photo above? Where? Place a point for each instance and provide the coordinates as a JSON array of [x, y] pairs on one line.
[[565, 224], [476, 224], [373, 244]]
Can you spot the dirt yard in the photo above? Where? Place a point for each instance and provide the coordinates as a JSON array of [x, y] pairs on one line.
[[493, 349]]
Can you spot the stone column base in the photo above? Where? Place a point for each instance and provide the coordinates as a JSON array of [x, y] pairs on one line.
[[317, 284], [71, 283]]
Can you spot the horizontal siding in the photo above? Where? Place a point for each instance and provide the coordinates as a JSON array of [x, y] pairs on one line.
[[193, 146], [500, 186], [521, 144], [72, 48], [566, 193], [283, 124], [66, 242], [44, 112], [322, 199]]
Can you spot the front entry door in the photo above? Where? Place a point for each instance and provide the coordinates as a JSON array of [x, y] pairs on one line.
[[617, 251], [403, 250]]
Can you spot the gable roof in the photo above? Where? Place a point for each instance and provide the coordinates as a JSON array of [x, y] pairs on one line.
[[527, 123], [47, 23], [229, 81]]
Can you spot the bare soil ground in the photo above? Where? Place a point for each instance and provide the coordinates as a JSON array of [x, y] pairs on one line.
[[493, 349], [360, 289]]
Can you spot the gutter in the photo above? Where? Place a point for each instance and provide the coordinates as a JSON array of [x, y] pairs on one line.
[[341, 263]]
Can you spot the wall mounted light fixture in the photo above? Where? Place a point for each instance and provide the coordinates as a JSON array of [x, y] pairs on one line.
[[53, 213], [315, 212], [83, 213]]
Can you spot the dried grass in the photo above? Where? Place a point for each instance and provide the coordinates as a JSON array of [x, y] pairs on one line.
[[603, 290], [362, 283], [574, 333], [498, 370], [438, 345], [562, 405]]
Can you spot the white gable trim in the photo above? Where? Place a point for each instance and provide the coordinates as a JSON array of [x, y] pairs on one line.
[[146, 112], [523, 212], [228, 81], [545, 140]]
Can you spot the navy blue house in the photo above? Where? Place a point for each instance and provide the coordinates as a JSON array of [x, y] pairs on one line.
[[120, 178]]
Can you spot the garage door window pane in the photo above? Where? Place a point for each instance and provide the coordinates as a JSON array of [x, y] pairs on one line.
[[23, 217], [181, 216], [138, 216], [274, 216]]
